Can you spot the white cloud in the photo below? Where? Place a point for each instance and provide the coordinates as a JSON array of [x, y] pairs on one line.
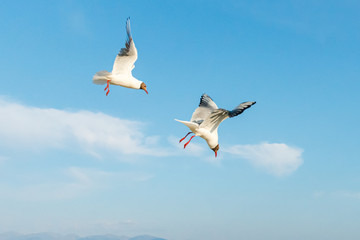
[[276, 158], [23, 128]]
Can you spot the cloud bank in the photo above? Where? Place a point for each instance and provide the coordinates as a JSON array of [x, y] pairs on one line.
[[23, 128], [26, 128], [275, 158]]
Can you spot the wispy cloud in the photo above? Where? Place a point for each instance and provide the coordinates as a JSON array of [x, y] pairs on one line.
[[275, 158], [193, 149], [71, 183], [74, 183], [24, 127], [348, 194], [337, 194], [2, 159], [319, 194]]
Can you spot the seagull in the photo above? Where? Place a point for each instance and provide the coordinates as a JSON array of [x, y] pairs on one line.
[[207, 118], [124, 63]]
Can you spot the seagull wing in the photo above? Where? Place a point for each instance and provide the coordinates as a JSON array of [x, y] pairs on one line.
[[206, 106], [124, 61], [239, 109], [214, 119]]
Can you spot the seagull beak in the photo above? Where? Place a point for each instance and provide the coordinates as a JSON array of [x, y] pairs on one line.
[[216, 154], [146, 91]]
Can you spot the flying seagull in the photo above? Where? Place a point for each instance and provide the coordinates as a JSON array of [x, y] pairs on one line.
[[124, 63], [207, 118]]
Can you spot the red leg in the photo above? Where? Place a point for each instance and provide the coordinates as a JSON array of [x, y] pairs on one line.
[[188, 141], [184, 137], [107, 87]]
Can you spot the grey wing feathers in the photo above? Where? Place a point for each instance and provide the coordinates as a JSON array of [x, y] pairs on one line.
[[206, 106], [126, 51], [125, 60], [206, 101], [239, 109], [214, 119]]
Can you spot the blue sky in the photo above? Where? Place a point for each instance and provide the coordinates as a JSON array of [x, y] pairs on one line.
[[75, 161]]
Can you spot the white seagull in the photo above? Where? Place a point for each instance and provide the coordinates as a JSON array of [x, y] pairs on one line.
[[207, 118], [124, 63]]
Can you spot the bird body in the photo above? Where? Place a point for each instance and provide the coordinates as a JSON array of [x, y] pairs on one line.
[[124, 80], [211, 138], [206, 119], [121, 73]]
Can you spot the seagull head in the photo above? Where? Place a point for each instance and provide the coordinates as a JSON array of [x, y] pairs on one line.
[[143, 87], [215, 149]]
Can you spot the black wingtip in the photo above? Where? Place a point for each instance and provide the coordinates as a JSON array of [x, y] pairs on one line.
[[205, 95], [205, 99], [128, 30]]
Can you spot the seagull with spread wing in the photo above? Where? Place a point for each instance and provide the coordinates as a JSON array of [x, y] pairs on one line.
[[207, 118], [124, 63]]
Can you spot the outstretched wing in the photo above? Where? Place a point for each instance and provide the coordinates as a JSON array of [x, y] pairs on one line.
[[214, 119], [239, 109], [206, 106], [124, 61]]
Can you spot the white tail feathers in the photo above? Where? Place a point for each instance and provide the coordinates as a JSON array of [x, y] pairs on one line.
[[101, 77], [190, 125]]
